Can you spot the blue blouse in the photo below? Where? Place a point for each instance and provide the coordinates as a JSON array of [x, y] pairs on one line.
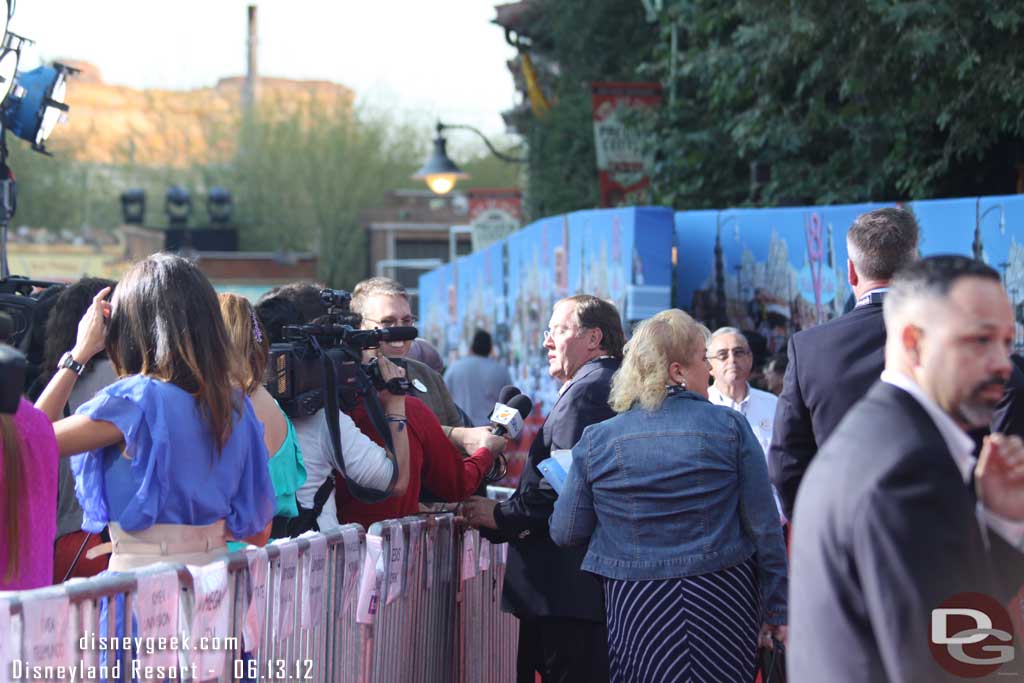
[[172, 473]]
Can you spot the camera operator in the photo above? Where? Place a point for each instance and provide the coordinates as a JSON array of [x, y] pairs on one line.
[[434, 463], [383, 302], [366, 462]]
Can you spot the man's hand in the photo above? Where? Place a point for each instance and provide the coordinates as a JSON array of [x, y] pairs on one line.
[[479, 512], [388, 370], [770, 631], [999, 476], [472, 439]]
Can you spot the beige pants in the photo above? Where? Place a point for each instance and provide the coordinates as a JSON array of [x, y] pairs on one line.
[[163, 543]]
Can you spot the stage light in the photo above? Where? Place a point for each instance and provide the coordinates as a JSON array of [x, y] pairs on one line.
[[133, 206], [36, 104], [178, 205], [219, 205]]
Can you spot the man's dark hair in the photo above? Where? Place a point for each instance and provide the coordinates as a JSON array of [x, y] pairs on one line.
[[932, 278], [295, 303], [305, 296], [482, 344], [595, 313], [883, 241]]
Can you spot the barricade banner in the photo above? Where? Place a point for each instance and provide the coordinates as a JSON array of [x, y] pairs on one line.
[[371, 580], [485, 554], [313, 581], [46, 622], [7, 640], [469, 558], [156, 608], [396, 562], [415, 547], [88, 629], [256, 612], [284, 589], [209, 623], [431, 542], [350, 537]]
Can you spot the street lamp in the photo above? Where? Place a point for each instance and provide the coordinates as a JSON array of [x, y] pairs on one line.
[[440, 172]]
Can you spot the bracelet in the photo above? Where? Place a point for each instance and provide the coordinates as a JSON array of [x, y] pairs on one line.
[[400, 421], [399, 416]]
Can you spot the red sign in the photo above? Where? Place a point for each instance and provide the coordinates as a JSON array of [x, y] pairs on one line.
[[623, 163]]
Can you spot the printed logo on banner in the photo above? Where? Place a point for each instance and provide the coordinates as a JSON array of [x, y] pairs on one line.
[[208, 635], [256, 612], [396, 562], [156, 609], [469, 558], [350, 536], [371, 581], [485, 554], [284, 588], [314, 570], [47, 636]]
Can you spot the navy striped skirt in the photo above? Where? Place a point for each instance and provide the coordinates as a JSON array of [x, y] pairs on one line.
[[697, 628]]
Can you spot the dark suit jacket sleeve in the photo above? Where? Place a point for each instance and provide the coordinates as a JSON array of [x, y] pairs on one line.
[[894, 551], [793, 444], [531, 507]]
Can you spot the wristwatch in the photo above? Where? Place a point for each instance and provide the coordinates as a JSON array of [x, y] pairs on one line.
[[69, 363]]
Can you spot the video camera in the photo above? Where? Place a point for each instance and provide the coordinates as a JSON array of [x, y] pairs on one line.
[[326, 352]]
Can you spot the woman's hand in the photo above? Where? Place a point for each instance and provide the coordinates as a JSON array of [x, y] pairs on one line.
[[389, 371], [779, 632], [92, 328]]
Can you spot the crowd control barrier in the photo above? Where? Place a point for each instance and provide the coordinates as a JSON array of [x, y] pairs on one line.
[[411, 600]]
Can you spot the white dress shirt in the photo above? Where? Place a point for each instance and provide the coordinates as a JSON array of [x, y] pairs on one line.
[[759, 409], [961, 447]]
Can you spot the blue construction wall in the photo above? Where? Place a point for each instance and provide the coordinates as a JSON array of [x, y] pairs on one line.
[[780, 270]]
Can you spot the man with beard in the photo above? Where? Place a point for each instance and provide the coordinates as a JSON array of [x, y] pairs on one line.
[[896, 516]]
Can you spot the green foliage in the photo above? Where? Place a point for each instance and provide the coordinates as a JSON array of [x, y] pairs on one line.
[[876, 100], [301, 182], [590, 40]]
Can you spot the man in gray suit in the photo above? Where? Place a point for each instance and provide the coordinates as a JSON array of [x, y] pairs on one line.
[[896, 518]]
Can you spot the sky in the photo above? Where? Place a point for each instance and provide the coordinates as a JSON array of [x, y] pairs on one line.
[[428, 59]]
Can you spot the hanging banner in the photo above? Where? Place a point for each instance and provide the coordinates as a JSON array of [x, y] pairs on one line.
[[494, 214], [623, 163], [256, 612], [156, 609]]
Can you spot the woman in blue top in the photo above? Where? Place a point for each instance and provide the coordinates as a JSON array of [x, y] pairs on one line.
[[673, 496], [170, 457]]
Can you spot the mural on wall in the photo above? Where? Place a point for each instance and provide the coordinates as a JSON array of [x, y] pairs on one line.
[[438, 304], [623, 255], [989, 228], [770, 271], [480, 283], [538, 276]]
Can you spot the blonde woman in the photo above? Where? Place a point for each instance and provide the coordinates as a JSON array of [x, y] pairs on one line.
[[673, 496], [251, 348]]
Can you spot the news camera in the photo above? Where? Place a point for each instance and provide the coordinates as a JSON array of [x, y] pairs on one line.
[[325, 357]]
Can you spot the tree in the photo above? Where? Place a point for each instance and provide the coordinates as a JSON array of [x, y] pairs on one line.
[[876, 100]]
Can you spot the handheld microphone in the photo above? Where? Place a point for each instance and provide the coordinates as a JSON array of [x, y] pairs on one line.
[[507, 392], [507, 419]]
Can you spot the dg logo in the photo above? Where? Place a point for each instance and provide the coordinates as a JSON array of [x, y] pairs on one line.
[[971, 635]]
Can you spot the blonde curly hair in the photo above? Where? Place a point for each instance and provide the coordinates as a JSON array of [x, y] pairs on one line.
[[670, 336]]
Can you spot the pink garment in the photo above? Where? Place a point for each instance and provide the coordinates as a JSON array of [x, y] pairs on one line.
[[38, 504]]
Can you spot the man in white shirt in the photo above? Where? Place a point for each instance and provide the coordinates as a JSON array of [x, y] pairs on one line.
[[731, 364], [898, 526]]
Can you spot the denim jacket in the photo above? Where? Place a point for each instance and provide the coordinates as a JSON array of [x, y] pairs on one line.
[[676, 492]]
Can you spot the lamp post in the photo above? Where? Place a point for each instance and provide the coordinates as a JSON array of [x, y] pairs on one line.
[[977, 247], [440, 172]]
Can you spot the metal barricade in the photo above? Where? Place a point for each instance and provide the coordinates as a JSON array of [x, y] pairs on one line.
[[290, 611]]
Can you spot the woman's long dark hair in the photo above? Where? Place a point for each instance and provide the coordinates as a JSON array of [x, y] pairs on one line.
[[166, 324]]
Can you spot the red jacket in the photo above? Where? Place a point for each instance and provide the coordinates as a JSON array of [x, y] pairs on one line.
[[433, 462]]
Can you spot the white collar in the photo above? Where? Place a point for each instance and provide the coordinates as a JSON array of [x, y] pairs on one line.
[[960, 445], [722, 398]]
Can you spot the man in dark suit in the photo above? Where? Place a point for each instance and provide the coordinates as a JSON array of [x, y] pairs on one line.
[[833, 365], [562, 632], [896, 517]]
